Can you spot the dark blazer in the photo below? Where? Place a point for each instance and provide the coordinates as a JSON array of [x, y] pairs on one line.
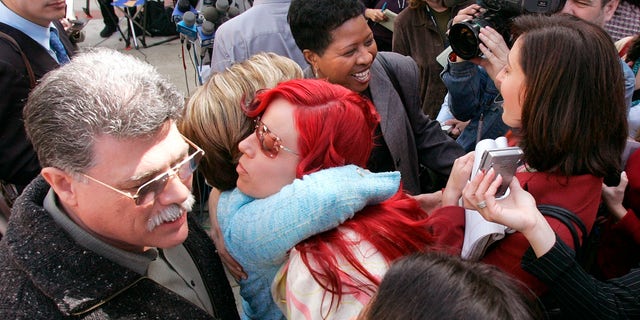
[[412, 138], [18, 161], [45, 274]]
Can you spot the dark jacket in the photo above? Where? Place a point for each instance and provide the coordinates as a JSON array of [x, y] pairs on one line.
[[412, 138], [18, 161], [578, 294], [44, 274]]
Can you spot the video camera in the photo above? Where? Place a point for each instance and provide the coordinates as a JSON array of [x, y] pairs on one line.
[[463, 36]]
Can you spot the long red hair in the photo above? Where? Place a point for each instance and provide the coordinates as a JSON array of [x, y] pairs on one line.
[[335, 127]]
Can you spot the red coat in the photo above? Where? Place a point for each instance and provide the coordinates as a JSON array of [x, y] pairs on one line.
[[620, 242], [579, 194]]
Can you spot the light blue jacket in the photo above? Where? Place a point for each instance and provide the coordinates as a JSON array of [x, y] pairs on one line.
[[259, 233]]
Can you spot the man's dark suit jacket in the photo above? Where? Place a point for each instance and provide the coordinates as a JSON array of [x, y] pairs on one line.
[[18, 161]]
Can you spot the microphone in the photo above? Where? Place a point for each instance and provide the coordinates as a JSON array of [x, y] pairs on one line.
[[205, 34], [187, 26], [181, 7], [233, 11], [222, 6], [210, 14]]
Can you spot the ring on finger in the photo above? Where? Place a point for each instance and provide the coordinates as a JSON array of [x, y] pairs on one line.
[[481, 205]]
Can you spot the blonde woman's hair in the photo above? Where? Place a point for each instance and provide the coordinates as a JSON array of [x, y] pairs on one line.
[[214, 119]]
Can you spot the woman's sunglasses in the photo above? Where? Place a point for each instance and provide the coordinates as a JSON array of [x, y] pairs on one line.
[[270, 143]]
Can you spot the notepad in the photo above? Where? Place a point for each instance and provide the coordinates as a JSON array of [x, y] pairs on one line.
[[479, 233], [391, 17]]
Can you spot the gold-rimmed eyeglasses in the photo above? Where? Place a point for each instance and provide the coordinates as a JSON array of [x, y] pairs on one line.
[[148, 191]]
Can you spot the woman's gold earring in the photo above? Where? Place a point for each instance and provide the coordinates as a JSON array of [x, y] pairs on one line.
[[315, 71]]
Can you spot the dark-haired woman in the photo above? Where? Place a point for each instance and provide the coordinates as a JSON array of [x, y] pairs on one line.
[[339, 46]]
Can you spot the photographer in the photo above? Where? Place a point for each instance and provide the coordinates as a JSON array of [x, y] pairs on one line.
[[472, 93], [420, 32], [598, 12]]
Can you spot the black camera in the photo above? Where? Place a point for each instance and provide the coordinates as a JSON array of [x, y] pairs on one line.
[[463, 36]]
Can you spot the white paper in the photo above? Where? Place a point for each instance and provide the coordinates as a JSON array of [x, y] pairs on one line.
[[478, 232], [391, 17]]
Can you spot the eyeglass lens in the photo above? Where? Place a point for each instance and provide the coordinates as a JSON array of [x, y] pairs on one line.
[[268, 141], [149, 190]]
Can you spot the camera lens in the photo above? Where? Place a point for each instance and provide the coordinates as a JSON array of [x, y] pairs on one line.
[[464, 40]]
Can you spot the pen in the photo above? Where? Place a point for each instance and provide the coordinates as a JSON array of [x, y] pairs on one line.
[[479, 133], [384, 6]]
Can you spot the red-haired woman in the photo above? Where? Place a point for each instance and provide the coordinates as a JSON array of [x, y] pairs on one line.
[[303, 126]]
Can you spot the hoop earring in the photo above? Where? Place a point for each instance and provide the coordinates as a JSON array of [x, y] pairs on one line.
[[315, 71]]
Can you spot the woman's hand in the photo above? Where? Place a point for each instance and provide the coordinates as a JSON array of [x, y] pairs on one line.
[[458, 179], [375, 15], [613, 197], [482, 189], [495, 52], [429, 201], [517, 211], [215, 233]]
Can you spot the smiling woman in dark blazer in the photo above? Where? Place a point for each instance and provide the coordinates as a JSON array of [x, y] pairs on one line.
[[339, 46]]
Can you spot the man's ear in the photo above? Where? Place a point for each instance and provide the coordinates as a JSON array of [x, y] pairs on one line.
[[609, 9], [62, 184]]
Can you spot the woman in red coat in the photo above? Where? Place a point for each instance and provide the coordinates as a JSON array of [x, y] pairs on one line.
[[565, 97]]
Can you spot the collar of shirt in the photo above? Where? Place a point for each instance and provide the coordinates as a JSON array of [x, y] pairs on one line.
[[138, 262], [37, 32]]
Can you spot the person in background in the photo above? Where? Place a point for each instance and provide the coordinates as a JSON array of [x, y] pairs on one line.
[[245, 240], [600, 12], [108, 17], [262, 28], [104, 232], [374, 12], [35, 44], [472, 92], [426, 286], [625, 20], [339, 46], [597, 12], [629, 51], [561, 121], [619, 246], [452, 126], [420, 32]]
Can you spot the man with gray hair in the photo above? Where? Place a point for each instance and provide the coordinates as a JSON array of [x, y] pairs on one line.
[[103, 231]]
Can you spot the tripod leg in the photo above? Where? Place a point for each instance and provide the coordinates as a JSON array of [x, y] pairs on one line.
[[87, 9]]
